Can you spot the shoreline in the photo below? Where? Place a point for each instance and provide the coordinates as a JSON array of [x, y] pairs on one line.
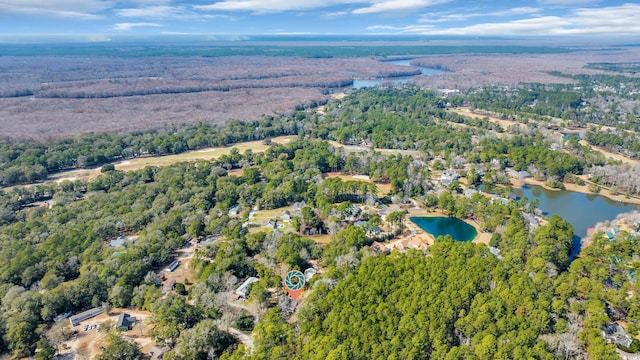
[[576, 188]]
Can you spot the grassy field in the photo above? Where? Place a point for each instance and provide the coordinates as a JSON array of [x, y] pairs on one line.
[[140, 163], [382, 188]]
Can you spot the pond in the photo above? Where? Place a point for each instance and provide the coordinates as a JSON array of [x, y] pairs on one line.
[[357, 84], [580, 210], [440, 226]]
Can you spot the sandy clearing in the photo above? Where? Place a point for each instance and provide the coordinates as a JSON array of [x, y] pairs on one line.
[[502, 122], [141, 163], [383, 188], [88, 342]]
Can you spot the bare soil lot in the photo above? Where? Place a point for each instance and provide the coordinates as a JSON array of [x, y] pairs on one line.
[[87, 343]]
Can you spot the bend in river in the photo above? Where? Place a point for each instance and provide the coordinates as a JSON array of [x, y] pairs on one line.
[[357, 84]]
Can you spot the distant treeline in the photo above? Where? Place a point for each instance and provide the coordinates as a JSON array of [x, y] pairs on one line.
[[308, 51], [631, 67]]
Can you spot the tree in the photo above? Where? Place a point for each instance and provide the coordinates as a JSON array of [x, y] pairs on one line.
[[180, 289], [119, 349], [107, 168], [397, 218], [172, 315], [44, 349], [203, 341], [447, 203]]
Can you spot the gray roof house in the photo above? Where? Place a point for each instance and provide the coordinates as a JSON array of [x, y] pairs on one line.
[[75, 319]]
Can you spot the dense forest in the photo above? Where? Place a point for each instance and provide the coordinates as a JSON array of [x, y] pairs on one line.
[[522, 297]]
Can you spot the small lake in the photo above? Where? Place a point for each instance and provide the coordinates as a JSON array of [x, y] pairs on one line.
[[357, 84], [582, 211], [440, 226]]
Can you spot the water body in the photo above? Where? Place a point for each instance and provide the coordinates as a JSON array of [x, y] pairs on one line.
[[440, 226], [582, 211], [357, 84]]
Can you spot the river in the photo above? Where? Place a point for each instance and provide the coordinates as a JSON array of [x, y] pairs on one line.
[[357, 84], [582, 211]]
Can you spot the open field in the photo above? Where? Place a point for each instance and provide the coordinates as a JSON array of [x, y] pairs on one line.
[[382, 188], [502, 122], [141, 163]]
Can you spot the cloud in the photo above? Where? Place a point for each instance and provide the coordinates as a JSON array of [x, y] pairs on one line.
[[129, 26], [278, 6], [449, 17], [167, 12], [334, 14], [567, 2], [151, 2], [78, 9], [381, 6], [613, 20], [271, 6]]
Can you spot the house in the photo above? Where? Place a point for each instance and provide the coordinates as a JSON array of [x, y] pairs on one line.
[[615, 334], [243, 290], [62, 316], [414, 243], [271, 224], [470, 192], [125, 322], [612, 232], [234, 210], [299, 205], [75, 319], [448, 177], [496, 252], [286, 215], [378, 247], [172, 266], [308, 274]]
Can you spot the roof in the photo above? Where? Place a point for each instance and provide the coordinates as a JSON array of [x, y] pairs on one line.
[[242, 290], [75, 319], [124, 320], [173, 265], [308, 274]]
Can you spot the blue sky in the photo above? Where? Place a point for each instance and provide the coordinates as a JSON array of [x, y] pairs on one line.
[[543, 18]]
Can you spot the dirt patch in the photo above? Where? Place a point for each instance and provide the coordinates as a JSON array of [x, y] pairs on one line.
[[502, 122], [382, 188], [91, 333]]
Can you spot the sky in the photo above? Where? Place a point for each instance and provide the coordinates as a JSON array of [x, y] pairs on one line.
[[535, 18]]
